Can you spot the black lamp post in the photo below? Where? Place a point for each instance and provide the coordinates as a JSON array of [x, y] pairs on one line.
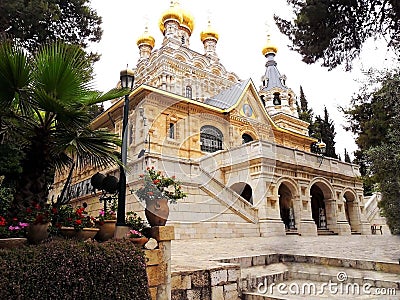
[[321, 149], [127, 79]]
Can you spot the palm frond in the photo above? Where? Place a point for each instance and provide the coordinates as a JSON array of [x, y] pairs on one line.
[[15, 73]]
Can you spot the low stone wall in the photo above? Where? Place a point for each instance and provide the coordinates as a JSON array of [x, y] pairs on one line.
[[219, 283]]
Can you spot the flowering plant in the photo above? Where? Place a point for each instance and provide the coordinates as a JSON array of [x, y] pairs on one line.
[[134, 221], [77, 218], [39, 214], [105, 215], [158, 186], [134, 234], [12, 228]]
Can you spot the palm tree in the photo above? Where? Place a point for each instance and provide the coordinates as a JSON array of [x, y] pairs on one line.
[[45, 102]]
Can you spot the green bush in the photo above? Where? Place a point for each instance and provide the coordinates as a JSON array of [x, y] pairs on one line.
[[65, 269]]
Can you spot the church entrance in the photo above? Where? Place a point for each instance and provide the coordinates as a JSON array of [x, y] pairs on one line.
[[286, 207], [244, 190], [318, 207]]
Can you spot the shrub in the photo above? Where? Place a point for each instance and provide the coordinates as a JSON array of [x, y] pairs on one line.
[[62, 269]]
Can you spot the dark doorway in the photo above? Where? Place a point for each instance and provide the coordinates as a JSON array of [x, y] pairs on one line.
[[318, 207], [286, 206]]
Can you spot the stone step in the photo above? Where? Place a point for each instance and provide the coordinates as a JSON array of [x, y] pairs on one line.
[[292, 232], [327, 273], [325, 232], [301, 290], [355, 232], [318, 277]]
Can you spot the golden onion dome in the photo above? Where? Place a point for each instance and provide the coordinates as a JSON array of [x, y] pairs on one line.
[[172, 13], [269, 47], [209, 33], [187, 21], [146, 39]]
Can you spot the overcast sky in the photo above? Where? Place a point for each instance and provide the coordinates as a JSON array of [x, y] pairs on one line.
[[242, 29]]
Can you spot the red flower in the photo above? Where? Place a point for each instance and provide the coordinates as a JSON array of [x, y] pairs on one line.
[[28, 210], [2, 221], [54, 210], [150, 193], [78, 222]]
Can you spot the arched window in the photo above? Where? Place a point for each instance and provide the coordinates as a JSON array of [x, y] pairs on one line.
[[211, 139], [246, 138], [277, 99], [189, 92]]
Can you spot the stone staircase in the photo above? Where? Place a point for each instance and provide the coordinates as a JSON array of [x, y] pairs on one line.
[[226, 196], [285, 276]]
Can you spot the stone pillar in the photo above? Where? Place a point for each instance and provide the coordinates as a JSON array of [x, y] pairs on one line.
[[343, 227], [271, 224], [158, 266], [330, 213], [307, 226]]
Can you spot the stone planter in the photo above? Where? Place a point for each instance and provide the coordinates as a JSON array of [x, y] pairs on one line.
[[37, 233], [11, 243], [106, 231]]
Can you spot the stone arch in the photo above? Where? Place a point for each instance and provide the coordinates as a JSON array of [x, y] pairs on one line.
[[288, 194], [322, 203], [352, 209], [244, 190]]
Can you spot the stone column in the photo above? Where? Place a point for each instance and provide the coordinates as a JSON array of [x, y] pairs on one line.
[[343, 226], [158, 266], [331, 215], [307, 225], [271, 223]]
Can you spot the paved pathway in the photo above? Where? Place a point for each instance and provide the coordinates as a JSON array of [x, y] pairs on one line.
[[199, 254]]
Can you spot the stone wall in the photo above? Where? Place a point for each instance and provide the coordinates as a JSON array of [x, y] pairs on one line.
[[219, 283]]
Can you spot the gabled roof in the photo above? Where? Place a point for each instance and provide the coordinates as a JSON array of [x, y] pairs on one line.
[[229, 97], [237, 91]]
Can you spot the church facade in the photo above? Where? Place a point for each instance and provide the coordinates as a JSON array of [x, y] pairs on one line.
[[241, 153]]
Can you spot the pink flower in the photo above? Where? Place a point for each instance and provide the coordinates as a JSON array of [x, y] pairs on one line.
[[12, 228], [101, 213], [23, 225]]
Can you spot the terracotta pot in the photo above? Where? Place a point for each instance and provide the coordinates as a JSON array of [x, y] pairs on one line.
[[86, 233], [139, 241], [106, 231], [82, 235], [68, 232], [157, 212], [37, 233], [11, 243]]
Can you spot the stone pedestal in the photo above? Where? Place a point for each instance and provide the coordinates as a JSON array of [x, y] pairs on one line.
[[158, 266]]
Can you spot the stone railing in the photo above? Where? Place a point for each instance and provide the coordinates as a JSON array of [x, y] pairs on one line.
[[274, 154], [227, 196]]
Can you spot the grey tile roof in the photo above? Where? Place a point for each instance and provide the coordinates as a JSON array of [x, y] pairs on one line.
[[273, 75], [228, 97]]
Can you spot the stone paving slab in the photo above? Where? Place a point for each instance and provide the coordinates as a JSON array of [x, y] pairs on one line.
[[198, 254]]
